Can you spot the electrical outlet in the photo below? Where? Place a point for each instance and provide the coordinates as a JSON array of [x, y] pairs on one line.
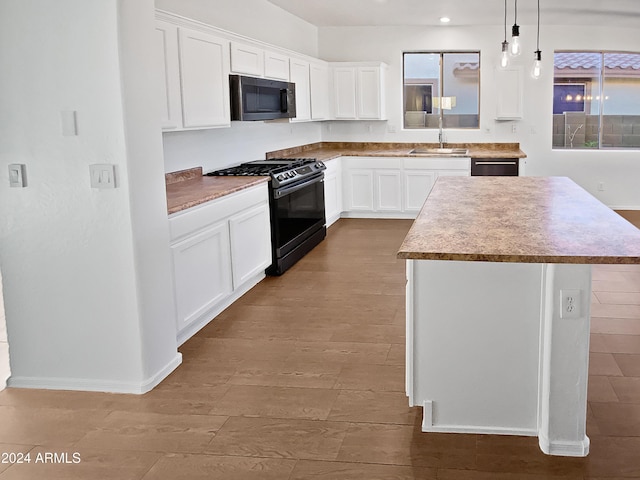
[[601, 186], [570, 301], [514, 128]]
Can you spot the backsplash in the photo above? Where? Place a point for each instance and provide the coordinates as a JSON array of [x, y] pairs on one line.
[[245, 141]]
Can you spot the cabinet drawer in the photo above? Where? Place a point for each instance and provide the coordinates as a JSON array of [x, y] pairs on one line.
[[436, 163], [372, 162], [194, 219]]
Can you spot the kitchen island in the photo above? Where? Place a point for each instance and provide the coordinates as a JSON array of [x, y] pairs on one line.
[[498, 296]]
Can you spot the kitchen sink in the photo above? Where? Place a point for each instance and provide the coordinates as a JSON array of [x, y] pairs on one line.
[[449, 152]]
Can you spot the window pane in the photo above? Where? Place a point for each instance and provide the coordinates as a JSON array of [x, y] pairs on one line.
[[621, 106], [461, 83], [576, 99], [421, 84]]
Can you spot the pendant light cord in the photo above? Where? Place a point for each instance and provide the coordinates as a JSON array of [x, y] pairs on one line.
[[505, 20], [538, 36], [515, 16]]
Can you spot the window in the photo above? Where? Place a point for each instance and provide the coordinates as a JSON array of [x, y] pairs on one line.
[[441, 87], [596, 100]]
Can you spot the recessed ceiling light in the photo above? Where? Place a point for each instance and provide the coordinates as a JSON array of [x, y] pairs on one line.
[[445, 19]]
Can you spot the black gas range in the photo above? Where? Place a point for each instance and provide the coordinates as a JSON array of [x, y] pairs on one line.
[[296, 203]]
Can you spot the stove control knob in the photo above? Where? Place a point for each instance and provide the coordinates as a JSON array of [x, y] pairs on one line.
[[280, 177]]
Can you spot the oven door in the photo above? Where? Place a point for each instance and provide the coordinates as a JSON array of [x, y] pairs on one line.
[[297, 221]]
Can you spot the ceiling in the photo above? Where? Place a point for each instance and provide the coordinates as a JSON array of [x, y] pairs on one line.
[[341, 13]]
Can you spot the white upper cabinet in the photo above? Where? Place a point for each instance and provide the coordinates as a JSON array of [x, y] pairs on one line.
[[204, 72], [319, 75], [169, 67], [371, 87], [247, 59], [276, 66], [344, 93], [359, 91], [509, 93], [299, 74]]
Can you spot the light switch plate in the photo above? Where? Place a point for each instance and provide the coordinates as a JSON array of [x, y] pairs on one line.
[[17, 175], [69, 123], [103, 175]]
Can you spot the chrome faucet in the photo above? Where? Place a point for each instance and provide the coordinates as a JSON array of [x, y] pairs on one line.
[[440, 133]]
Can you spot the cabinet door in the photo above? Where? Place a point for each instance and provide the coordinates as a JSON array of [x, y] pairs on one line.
[[202, 273], [509, 91], [250, 235], [169, 69], [247, 59], [319, 91], [299, 74], [344, 93], [204, 69], [417, 185], [276, 66], [388, 193], [369, 93], [358, 190], [333, 191]]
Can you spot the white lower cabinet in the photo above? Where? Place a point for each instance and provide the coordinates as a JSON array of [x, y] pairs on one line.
[[358, 190], [393, 187], [388, 190], [250, 253], [219, 250], [417, 185], [372, 185], [333, 190], [202, 273]]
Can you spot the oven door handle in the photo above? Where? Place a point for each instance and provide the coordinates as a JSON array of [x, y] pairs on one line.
[[281, 192]]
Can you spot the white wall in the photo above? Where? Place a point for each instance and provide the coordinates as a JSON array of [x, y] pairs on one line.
[[5, 367], [617, 170], [84, 308], [244, 141]]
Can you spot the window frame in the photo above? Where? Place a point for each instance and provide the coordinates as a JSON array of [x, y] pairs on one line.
[[438, 86], [589, 92]]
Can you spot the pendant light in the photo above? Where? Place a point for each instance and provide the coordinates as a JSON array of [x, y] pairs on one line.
[[504, 56], [515, 34], [536, 70]]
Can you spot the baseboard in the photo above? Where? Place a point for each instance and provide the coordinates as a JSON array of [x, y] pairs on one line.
[[428, 426], [624, 207], [564, 448], [91, 385], [381, 215]]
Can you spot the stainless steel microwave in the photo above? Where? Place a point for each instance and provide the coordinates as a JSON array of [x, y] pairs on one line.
[[261, 99]]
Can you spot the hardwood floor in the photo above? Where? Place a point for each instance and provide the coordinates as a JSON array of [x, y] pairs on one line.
[[303, 378]]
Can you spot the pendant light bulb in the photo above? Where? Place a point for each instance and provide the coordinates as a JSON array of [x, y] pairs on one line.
[[536, 70], [515, 41], [504, 57], [515, 33]]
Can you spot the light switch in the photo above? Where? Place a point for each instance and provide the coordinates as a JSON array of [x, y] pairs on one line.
[[69, 123], [102, 175], [17, 175]]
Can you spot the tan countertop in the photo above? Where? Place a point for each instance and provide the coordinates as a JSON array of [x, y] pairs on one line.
[[519, 219], [328, 150], [188, 188]]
